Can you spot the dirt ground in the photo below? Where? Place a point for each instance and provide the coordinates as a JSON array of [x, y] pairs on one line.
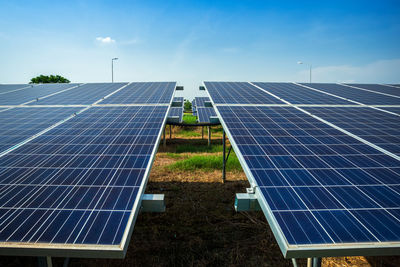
[[200, 227]]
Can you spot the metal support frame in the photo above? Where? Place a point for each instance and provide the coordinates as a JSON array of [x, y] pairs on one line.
[[45, 261], [164, 140], [202, 132], [247, 202], [170, 132], [314, 262], [153, 203], [209, 135]]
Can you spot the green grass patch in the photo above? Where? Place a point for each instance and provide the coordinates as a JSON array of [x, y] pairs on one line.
[[187, 148], [206, 163], [188, 133], [189, 119]]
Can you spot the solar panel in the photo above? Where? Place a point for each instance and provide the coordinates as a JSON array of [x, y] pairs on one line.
[[238, 93], [204, 114], [23, 96], [391, 109], [83, 95], [143, 92], [375, 126], [78, 186], [194, 111], [18, 124], [378, 88], [200, 101], [178, 99], [323, 192], [6, 88], [176, 112], [297, 94], [362, 96]]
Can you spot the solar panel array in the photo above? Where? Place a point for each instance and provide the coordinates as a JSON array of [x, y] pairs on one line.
[[176, 112], [378, 88], [72, 177], [326, 170], [204, 114]]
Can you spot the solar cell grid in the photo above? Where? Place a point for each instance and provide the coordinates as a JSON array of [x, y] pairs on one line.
[[83, 95], [78, 183], [6, 88], [297, 94], [18, 124], [391, 109], [199, 101], [204, 114], [378, 88], [377, 127], [238, 93], [176, 112], [143, 92], [362, 96], [23, 96], [319, 184]]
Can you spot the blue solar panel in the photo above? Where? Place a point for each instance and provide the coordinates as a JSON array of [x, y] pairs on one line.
[[178, 99], [362, 96], [238, 93], [23, 96], [297, 94], [80, 182], [204, 114], [375, 126], [143, 92], [319, 185], [194, 111], [18, 124], [83, 95], [6, 88], [378, 88], [176, 112], [200, 101], [392, 109]]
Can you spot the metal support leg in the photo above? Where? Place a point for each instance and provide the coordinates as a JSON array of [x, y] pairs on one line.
[[164, 141], [202, 132], [209, 135], [314, 262], [170, 132], [223, 156], [45, 262]]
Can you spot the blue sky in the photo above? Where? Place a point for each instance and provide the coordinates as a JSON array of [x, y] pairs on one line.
[[192, 41]]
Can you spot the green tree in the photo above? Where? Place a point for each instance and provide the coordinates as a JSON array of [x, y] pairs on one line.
[[49, 79], [187, 106]]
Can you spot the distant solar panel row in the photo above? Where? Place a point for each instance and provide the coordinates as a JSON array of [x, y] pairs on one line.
[[143, 92], [6, 88], [238, 93], [18, 124], [176, 112], [204, 114], [78, 183], [378, 88], [200, 101], [83, 95], [321, 186], [297, 94], [29, 94], [362, 96]]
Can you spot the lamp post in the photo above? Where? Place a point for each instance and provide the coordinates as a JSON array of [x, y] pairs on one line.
[[299, 62], [112, 68]]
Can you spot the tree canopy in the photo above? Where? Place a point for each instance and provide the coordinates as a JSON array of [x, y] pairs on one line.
[[187, 105], [49, 79]]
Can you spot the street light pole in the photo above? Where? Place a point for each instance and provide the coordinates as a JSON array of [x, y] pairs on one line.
[[299, 62], [112, 68]]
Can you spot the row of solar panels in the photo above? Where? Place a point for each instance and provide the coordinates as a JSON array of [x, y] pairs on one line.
[[202, 108], [325, 168], [74, 162]]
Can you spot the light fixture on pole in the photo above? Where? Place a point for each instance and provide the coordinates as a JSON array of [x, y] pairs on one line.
[[112, 68], [299, 62]]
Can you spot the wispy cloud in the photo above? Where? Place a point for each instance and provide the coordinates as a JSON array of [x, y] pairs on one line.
[[105, 40], [381, 71]]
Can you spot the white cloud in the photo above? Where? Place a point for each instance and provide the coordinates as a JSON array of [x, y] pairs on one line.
[[105, 40], [381, 71]]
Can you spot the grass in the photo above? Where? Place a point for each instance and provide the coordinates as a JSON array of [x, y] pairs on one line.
[[173, 155], [185, 132], [188, 148], [189, 119], [206, 163]]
